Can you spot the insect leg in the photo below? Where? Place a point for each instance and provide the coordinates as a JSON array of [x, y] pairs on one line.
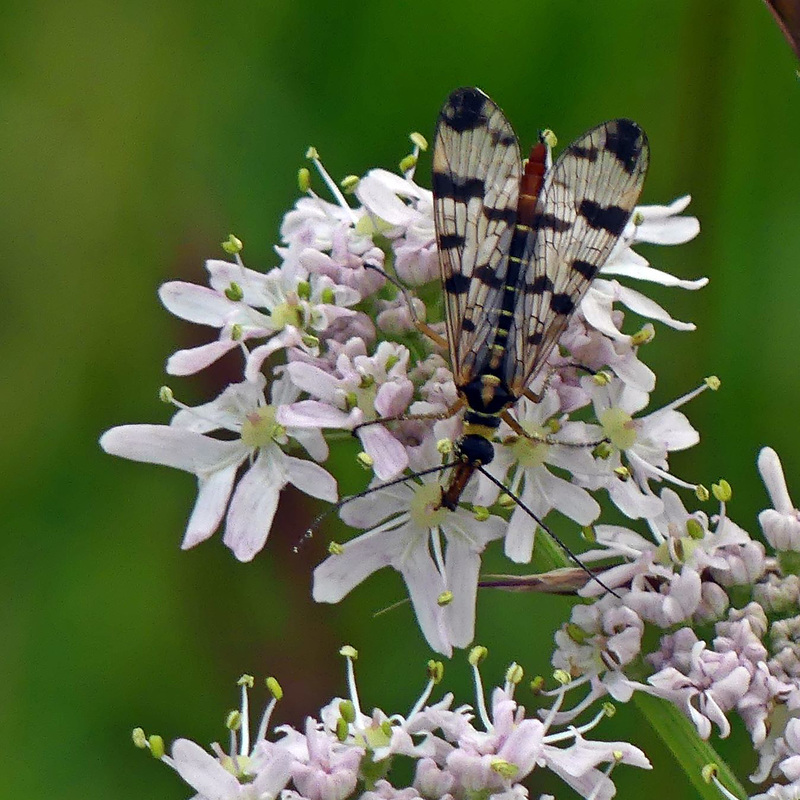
[[590, 574], [520, 431], [454, 409], [421, 326]]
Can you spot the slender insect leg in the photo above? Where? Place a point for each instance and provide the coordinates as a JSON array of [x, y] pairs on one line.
[[535, 397], [454, 409], [421, 326], [582, 368], [534, 437]]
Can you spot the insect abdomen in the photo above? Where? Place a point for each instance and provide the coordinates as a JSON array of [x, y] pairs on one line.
[[527, 221], [529, 186]]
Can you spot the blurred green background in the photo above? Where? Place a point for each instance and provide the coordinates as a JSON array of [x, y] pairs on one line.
[[135, 137]]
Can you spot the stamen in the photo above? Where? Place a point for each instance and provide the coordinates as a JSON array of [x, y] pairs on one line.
[[330, 183], [476, 655], [277, 693], [246, 681], [351, 654], [435, 670]]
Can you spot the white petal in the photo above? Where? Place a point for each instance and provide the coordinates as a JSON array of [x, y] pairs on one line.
[[425, 585], [644, 272], [311, 479], [253, 506], [646, 307], [212, 500], [313, 414], [313, 380], [596, 308], [196, 303], [463, 564], [339, 574], [171, 447], [203, 772], [670, 428], [632, 502], [636, 373], [519, 540], [677, 206], [769, 465], [673, 230], [288, 337], [570, 500]]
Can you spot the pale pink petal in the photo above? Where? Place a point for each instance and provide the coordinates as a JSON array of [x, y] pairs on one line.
[[388, 455], [311, 478], [225, 412], [188, 362], [203, 772], [212, 500], [253, 284], [312, 441], [253, 505], [315, 381], [359, 512], [393, 398]]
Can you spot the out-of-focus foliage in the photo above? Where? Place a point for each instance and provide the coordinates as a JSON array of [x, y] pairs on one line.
[[134, 139]]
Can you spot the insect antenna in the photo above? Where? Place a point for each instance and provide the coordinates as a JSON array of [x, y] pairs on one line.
[[318, 520], [544, 527]]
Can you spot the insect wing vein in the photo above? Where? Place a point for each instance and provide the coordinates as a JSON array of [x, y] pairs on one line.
[[584, 205], [476, 174]]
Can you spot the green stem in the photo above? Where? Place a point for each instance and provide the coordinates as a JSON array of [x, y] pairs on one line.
[[690, 751]]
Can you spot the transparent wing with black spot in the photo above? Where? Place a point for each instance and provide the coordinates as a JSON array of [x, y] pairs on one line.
[[584, 205], [476, 174]]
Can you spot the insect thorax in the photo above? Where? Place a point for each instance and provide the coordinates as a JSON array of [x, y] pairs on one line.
[[474, 448]]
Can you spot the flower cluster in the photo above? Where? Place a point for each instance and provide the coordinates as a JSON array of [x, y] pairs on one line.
[[330, 341], [696, 574], [457, 753]]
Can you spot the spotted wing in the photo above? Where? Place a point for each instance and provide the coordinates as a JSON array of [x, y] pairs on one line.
[[584, 205], [476, 175]]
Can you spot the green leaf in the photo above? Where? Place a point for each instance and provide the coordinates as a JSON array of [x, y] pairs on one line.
[[690, 751]]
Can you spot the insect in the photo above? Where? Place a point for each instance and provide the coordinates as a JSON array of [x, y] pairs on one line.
[[518, 246]]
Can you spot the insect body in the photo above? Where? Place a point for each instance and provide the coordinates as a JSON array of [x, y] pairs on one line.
[[518, 249]]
